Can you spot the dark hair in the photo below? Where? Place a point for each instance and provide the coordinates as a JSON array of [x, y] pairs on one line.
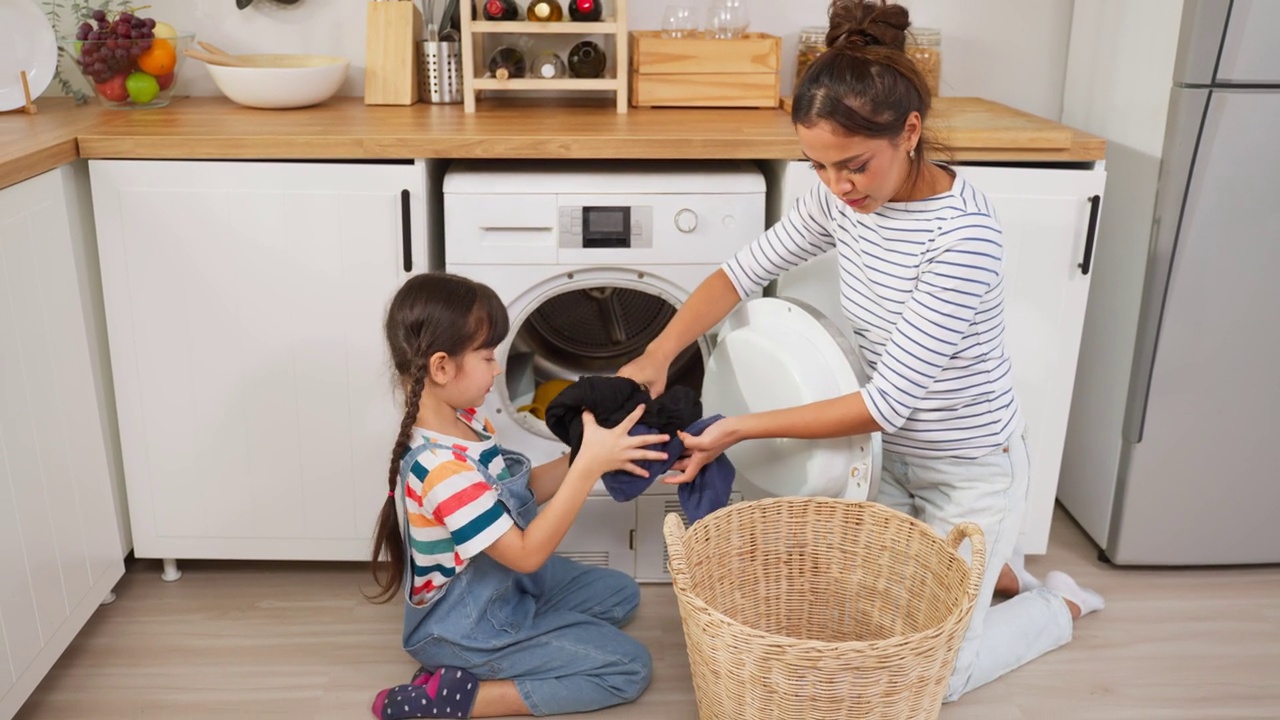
[[431, 313], [865, 83]]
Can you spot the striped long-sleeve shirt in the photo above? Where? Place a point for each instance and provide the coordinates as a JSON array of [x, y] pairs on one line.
[[922, 284]]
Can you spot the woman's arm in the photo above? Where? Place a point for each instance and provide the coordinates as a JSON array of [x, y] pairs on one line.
[[547, 478], [836, 417]]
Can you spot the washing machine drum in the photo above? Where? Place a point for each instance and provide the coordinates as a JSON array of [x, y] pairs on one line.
[[777, 353], [598, 330]]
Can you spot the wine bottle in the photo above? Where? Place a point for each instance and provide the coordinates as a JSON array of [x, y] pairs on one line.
[[548, 65], [507, 62], [501, 10], [587, 60], [545, 11], [584, 10]]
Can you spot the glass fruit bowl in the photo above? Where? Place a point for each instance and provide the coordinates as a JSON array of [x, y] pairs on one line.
[[131, 62]]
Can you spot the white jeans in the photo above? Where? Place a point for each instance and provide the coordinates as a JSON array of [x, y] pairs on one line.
[[991, 491]]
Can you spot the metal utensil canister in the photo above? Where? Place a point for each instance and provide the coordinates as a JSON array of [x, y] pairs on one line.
[[442, 70]]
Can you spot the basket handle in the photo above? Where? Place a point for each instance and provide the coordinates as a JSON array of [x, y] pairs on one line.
[[978, 554], [673, 532]]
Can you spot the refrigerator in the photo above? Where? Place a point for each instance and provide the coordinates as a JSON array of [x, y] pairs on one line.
[[1172, 456]]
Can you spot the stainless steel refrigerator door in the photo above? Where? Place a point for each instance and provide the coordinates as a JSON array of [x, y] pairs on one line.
[[1250, 54], [1201, 487], [1228, 42]]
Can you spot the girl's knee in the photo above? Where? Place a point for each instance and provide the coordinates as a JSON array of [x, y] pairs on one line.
[[639, 671]]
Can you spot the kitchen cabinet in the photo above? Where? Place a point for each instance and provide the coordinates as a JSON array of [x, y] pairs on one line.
[[60, 544], [244, 304], [1046, 213]]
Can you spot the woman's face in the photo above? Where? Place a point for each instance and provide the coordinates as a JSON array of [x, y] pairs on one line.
[[863, 172]]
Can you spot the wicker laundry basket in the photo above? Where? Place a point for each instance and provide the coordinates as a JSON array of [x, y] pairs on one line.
[[815, 608]]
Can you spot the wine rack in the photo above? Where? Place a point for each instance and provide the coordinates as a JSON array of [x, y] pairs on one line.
[[476, 48]]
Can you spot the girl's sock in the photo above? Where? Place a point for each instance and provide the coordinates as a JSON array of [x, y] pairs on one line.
[[1063, 584], [1026, 581], [445, 693]]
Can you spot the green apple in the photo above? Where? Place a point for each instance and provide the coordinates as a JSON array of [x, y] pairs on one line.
[[142, 87]]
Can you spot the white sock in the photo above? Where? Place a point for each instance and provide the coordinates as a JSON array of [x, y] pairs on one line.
[[1063, 584], [1026, 581]]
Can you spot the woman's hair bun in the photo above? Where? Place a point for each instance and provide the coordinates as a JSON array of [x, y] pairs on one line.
[[868, 23]]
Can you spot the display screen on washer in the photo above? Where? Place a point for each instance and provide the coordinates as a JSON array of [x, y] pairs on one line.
[[606, 227]]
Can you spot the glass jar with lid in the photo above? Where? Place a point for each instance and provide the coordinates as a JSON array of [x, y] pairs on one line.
[[924, 45], [813, 40]]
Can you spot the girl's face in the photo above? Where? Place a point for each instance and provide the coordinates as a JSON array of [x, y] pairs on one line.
[[863, 172], [472, 379]]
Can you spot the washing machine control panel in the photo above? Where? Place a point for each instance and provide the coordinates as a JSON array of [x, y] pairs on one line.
[[606, 226]]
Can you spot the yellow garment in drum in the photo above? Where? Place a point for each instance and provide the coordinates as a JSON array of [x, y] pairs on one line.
[[542, 397]]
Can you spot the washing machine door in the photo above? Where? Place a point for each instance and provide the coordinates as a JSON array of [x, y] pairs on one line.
[[776, 353]]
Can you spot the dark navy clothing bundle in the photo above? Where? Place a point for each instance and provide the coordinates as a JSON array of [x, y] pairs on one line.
[[611, 400]]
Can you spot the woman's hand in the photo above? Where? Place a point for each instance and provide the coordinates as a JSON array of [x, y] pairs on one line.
[[605, 450], [700, 450], [649, 370]]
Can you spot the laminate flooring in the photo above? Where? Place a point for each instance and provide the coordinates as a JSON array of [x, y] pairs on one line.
[[297, 640]]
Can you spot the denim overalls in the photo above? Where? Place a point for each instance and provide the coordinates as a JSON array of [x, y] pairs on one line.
[[554, 631]]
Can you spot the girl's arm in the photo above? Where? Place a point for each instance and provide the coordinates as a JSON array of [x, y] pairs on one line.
[[602, 451], [546, 479]]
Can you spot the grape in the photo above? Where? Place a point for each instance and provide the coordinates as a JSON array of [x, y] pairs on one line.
[[125, 33], [126, 17], [99, 15], [150, 23], [82, 34]]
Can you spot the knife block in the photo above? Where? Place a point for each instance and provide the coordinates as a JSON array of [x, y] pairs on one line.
[[393, 31]]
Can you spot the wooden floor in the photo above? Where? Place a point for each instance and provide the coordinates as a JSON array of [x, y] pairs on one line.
[[246, 640]]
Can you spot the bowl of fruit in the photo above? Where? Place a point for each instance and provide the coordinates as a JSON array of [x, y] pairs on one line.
[[131, 61]]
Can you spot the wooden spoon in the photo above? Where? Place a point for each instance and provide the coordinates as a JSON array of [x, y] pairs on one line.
[[212, 59], [214, 49]]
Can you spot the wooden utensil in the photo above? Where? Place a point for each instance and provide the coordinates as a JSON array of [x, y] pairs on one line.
[[213, 59]]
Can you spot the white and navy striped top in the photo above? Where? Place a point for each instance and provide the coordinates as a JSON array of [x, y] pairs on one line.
[[923, 285]]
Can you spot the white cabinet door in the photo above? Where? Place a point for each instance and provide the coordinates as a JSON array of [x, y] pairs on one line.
[[602, 535], [60, 551], [245, 304], [1045, 214]]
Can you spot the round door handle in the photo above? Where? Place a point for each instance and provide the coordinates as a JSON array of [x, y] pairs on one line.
[[686, 221]]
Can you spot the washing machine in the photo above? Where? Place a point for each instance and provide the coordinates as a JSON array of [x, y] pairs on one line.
[[592, 259]]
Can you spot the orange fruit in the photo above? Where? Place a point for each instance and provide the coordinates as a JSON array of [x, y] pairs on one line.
[[159, 59]]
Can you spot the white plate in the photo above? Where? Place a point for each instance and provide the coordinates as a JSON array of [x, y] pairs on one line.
[[27, 42]]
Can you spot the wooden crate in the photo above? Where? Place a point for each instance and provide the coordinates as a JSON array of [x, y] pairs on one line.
[[704, 72], [475, 54]]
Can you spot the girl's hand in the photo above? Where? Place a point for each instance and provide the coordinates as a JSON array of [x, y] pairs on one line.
[[605, 450], [650, 371], [700, 450]]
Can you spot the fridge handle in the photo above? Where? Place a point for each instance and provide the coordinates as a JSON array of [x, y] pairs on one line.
[[406, 231], [1085, 265]]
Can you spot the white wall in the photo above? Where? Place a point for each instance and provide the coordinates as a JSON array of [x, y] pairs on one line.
[[1008, 51]]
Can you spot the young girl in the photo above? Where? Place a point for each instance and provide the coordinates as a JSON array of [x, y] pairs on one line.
[[500, 625]]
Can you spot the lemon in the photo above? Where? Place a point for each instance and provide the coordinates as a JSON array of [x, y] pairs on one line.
[[165, 30]]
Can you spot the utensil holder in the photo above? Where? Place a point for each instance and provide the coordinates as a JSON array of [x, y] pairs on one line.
[[441, 71], [392, 33]]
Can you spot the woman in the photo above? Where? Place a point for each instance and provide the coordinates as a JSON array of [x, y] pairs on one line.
[[921, 281]]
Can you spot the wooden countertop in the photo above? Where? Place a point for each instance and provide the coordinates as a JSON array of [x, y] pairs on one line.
[[344, 128]]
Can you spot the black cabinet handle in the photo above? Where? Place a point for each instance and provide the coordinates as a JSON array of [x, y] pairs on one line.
[[1094, 203], [406, 231]]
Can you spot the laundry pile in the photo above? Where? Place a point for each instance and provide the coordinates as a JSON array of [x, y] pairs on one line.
[[611, 400]]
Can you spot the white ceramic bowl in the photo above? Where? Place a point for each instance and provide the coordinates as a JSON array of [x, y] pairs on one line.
[[276, 82]]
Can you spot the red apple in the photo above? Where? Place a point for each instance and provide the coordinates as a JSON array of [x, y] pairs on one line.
[[114, 89], [165, 80]]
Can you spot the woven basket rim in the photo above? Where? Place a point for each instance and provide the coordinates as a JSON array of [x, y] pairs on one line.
[[820, 645]]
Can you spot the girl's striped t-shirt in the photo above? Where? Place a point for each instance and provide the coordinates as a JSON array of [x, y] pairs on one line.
[[922, 284], [453, 514]]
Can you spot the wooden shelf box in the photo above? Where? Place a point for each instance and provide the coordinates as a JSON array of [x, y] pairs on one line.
[[704, 72]]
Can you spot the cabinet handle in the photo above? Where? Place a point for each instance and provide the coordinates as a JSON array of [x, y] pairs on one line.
[[406, 231], [1085, 265]]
